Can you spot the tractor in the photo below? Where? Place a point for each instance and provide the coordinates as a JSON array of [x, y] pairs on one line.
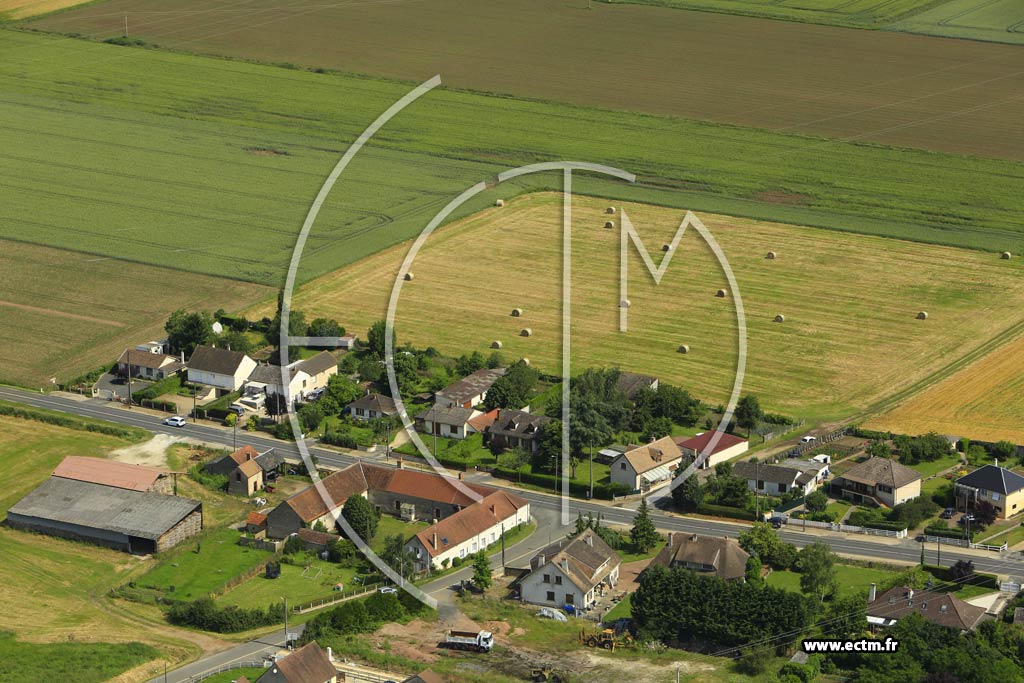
[[548, 675], [606, 639]]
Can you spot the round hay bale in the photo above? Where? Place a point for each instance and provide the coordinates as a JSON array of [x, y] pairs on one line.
[[499, 202], [524, 361], [922, 315], [721, 293], [495, 344], [684, 348], [516, 312], [609, 224], [1006, 255], [780, 318], [771, 256], [624, 303], [610, 210], [526, 332], [408, 276], [666, 247]]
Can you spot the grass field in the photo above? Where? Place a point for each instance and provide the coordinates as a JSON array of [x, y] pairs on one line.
[[996, 20], [851, 579], [984, 401], [854, 13], [79, 662], [870, 85], [260, 591], [90, 318], [231, 676], [53, 591], [850, 302], [217, 161]]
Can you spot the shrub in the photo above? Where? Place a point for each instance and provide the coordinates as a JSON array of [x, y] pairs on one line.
[[205, 615], [214, 482]]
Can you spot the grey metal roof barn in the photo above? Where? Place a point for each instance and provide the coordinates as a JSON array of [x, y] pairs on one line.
[[104, 514]]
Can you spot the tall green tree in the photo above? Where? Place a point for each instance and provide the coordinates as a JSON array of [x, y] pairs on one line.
[[689, 494], [816, 564], [375, 338], [643, 535], [361, 516], [396, 556], [481, 571], [186, 331], [748, 412]]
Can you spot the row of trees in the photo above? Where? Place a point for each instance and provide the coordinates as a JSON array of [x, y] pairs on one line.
[[723, 488]]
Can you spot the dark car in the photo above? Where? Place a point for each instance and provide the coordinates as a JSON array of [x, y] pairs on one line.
[[948, 513], [777, 521], [967, 518]]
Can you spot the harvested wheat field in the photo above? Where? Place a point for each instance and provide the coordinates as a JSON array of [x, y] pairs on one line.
[[23, 9], [983, 401], [849, 335]]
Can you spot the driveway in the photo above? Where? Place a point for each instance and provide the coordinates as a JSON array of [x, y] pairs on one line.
[[118, 386]]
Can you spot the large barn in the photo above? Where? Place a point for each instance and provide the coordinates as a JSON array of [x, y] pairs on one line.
[[139, 522]]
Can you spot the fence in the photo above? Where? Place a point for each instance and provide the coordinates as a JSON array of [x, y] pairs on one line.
[[221, 669], [960, 542], [339, 596], [261, 543], [357, 676], [847, 528], [802, 448]]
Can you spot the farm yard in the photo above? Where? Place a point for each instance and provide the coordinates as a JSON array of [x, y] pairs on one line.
[[850, 335], [91, 317], [871, 86], [984, 400]]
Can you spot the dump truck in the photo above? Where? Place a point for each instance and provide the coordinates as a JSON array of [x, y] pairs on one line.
[[477, 641]]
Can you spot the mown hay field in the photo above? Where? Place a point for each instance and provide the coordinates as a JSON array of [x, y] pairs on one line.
[[65, 313], [22, 9], [209, 165], [996, 20], [850, 336], [869, 86], [854, 13], [983, 401], [53, 590]]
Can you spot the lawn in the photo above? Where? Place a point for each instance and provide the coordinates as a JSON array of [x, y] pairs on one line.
[[837, 508], [630, 554], [851, 579], [22, 662], [927, 469], [230, 676], [994, 20], [983, 400], [866, 86], [201, 565], [389, 526], [623, 610], [874, 343], [297, 584]]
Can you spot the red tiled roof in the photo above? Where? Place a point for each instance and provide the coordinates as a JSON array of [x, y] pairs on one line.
[[120, 475], [250, 468], [244, 453], [470, 521], [699, 443], [256, 518], [481, 422]]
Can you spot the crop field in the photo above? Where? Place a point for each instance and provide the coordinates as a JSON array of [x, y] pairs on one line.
[[850, 302], [854, 13], [209, 166], [101, 306], [983, 401], [866, 86], [22, 9], [52, 590], [996, 20]]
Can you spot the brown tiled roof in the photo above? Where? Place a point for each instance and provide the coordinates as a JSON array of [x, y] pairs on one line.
[[483, 421], [881, 471], [664, 451], [145, 359], [244, 453], [308, 504], [470, 521], [256, 518], [472, 385], [250, 468], [700, 442], [687, 550], [943, 609], [321, 362], [318, 537], [109, 473], [427, 676], [631, 383], [378, 402], [308, 664], [586, 559], [432, 487], [218, 361]]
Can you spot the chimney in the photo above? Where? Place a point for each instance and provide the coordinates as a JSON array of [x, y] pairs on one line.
[[433, 540], [671, 539], [492, 509], [872, 593], [590, 540], [330, 654], [182, 356], [565, 564], [398, 463], [910, 594], [461, 475]]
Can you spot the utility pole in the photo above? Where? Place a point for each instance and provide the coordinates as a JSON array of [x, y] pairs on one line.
[[126, 25], [503, 544], [590, 495], [234, 433], [287, 641], [129, 380], [938, 551]]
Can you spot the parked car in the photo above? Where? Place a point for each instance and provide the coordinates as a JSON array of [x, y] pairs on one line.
[[387, 589], [808, 439], [237, 408], [315, 394], [967, 518], [948, 513], [176, 421], [777, 521]]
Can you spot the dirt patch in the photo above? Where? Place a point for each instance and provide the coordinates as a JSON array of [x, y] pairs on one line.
[[782, 197], [152, 453]]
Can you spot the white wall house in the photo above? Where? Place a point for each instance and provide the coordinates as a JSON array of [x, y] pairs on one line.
[[727, 447], [645, 467], [572, 571], [221, 369], [451, 422], [468, 531]]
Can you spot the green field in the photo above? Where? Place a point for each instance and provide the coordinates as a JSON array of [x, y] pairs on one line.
[[217, 161], [295, 583], [231, 676], [80, 662], [855, 13], [851, 579], [185, 574], [996, 20]]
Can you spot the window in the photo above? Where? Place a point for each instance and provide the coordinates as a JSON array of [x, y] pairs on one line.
[[437, 513], [398, 505], [551, 596], [558, 580], [622, 465], [360, 412], [995, 496], [782, 488], [453, 429], [569, 598], [462, 552], [547, 578], [760, 484]]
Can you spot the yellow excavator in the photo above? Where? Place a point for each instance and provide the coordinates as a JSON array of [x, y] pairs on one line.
[[606, 639]]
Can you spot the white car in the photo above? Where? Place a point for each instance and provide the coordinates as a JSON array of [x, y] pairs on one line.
[[176, 421], [808, 439], [387, 589]]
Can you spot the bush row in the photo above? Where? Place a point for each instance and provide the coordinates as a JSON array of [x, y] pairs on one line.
[[550, 481], [204, 614], [71, 422], [945, 532], [725, 511]]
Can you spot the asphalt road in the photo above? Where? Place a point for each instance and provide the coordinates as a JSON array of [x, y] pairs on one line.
[[875, 548]]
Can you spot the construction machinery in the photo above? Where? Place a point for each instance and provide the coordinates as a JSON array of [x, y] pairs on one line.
[[606, 639], [548, 675]]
